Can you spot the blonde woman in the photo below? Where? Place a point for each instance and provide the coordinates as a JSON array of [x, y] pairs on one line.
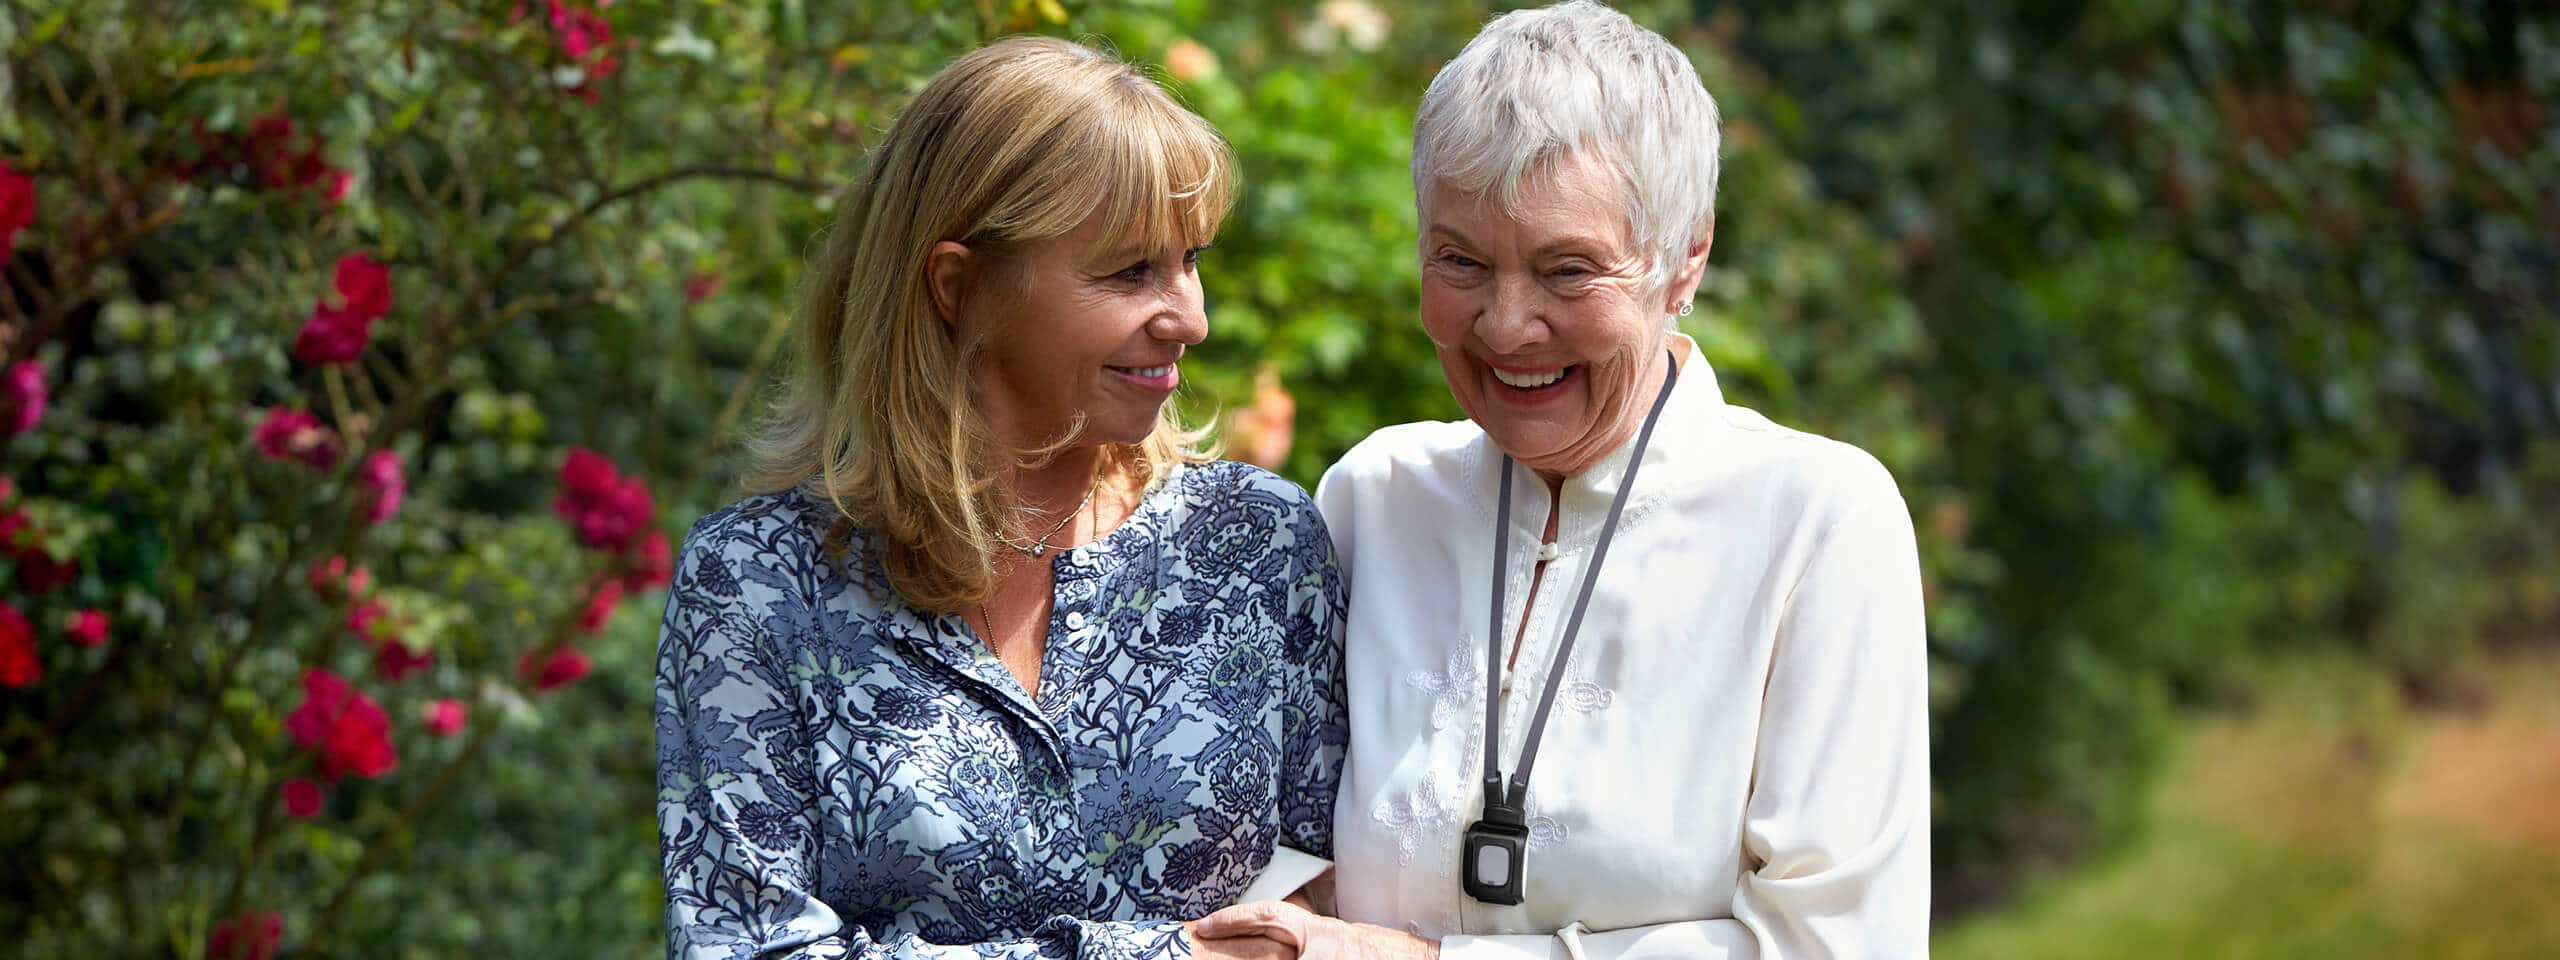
[[997, 664]]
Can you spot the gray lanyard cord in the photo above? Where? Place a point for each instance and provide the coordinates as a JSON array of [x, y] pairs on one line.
[[1518, 793]]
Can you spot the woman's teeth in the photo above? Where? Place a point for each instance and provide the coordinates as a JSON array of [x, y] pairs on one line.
[[1528, 381], [1147, 372]]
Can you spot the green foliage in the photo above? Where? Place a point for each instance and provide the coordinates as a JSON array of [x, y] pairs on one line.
[[2187, 328]]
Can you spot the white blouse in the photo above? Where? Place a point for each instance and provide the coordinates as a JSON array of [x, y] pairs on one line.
[[1737, 764]]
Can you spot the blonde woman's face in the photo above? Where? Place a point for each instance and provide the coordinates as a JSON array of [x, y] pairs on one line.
[[1092, 326]]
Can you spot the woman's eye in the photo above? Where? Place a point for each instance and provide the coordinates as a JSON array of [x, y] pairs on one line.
[[1132, 273], [1571, 273], [1461, 261], [1191, 257]]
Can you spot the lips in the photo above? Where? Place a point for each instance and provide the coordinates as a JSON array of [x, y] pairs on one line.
[[1160, 378], [1530, 380]]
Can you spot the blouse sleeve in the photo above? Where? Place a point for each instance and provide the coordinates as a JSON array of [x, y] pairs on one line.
[[738, 798], [1838, 819], [1316, 721]]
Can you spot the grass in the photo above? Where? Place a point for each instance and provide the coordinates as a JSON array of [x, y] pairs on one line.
[[2329, 820]]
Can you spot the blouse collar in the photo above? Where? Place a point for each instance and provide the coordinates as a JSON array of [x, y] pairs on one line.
[[1679, 443]]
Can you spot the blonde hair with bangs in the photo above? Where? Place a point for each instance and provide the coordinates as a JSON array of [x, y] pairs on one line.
[[1017, 142]]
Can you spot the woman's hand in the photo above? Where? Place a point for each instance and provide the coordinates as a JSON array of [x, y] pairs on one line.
[[1232, 947], [1314, 937]]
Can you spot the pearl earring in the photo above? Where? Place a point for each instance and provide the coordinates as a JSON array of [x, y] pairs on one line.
[[1687, 308]]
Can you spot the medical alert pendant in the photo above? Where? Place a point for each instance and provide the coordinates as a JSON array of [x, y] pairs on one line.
[[1494, 855]]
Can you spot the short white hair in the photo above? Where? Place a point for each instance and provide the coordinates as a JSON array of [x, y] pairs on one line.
[[1576, 78]]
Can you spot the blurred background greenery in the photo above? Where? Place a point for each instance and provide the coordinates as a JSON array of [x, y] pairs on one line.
[[2213, 343]]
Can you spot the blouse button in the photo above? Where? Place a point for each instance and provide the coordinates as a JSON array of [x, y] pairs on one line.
[[1075, 619]]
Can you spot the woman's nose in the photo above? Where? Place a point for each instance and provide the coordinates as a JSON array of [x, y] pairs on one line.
[[1511, 321], [1183, 319]]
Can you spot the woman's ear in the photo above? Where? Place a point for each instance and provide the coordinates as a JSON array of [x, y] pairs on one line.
[[1684, 281], [947, 272]]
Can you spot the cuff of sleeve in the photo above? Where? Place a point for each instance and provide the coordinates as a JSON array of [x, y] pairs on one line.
[[1518, 947], [1288, 870], [1118, 939]]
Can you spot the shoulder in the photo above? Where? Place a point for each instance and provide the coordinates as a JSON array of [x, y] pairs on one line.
[[766, 539], [1406, 449], [1213, 483], [1232, 503], [1820, 481]]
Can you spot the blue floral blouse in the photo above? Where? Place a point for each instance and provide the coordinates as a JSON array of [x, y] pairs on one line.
[[842, 775]]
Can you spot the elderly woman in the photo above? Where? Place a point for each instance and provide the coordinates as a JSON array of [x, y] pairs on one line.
[[1633, 670], [997, 665]]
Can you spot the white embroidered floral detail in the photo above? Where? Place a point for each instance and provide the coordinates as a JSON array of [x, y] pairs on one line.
[[1454, 689], [1414, 818], [1584, 696]]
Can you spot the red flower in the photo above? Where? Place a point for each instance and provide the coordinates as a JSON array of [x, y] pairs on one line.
[[302, 798], [362, 617], [247, 936], [17, 206], [331, 577], [12, 524], [651, 566], [600, 604], [8, 490], [88, 627], [338, 333], [444, 717], [18, 664], [702, 285], [383, 485], [39, 573], [363, 286], [22, 397], [565, 665], [332, 336], [348, 731], [607, 509], [339, 181], [287, 434], [586, 38], [395, 661]]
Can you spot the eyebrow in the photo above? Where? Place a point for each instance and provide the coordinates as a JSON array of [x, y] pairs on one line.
[[1451, 233]]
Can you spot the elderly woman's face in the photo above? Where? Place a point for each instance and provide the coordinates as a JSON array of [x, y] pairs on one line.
[[1085, 327], [1542, 321]]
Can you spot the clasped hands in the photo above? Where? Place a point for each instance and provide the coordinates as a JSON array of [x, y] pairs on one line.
[[1289, 930]]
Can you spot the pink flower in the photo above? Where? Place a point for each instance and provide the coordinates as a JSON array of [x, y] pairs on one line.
[[607, 510], [600, 604], [88, 627], [19, 667], [17, 206], [383, 485], [444, 717], [346, 729], [302, 798], [564, 666], [22, 397], [331, 578], [252, 935], [332, 336], [288, 434], [339, 181]]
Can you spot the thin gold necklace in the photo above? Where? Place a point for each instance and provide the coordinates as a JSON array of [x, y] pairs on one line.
[[1041, 546]]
